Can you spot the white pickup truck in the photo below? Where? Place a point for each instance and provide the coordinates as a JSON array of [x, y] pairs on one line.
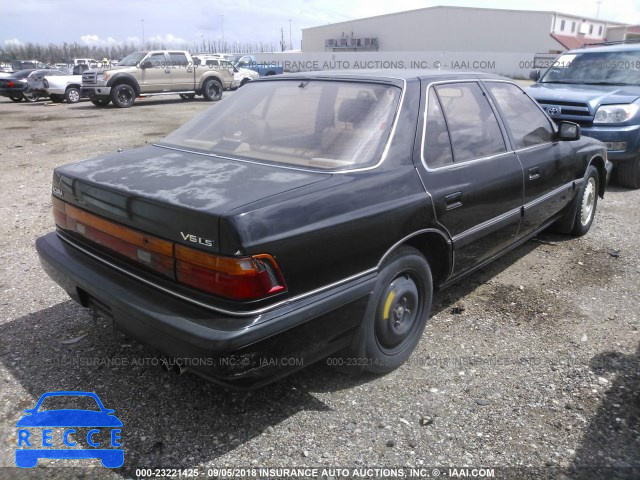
[[65, 87], [156, 72]]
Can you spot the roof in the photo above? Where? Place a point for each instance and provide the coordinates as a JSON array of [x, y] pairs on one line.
[[387, 74], [611, 47], [570, 42], [549, 12]]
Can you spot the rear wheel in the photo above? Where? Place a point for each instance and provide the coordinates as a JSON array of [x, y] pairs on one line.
[[629, 173], [396, 314], [28, 97], [72, 95], [16, 98], [587, 203], [101, 102], [123, 95], [212, 89]]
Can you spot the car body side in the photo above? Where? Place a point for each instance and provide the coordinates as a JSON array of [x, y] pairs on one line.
[[330, 237]]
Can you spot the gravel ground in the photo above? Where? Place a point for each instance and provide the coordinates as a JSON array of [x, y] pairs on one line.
[[531, 362]]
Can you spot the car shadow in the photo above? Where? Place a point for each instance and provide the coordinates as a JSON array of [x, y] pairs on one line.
[[609, 448], [148, 102], [172, 420]]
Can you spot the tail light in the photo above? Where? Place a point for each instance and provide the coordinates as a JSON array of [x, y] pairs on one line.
[[239, 278], [10, 84], [236, 278]]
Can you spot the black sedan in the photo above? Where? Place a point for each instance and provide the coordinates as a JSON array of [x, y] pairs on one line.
[[314, 214], [15, 86]]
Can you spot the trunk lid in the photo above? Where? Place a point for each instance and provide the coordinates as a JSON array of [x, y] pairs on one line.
[[174, 195]]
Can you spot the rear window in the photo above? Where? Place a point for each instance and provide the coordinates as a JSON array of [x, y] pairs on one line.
[[307, 123]]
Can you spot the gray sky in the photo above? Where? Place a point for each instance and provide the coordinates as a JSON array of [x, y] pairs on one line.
[[101, 23]]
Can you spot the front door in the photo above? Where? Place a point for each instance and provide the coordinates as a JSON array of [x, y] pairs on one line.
[[155, 74]]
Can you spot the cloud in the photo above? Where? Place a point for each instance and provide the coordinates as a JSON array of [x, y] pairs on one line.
[[168, 39], [12, 42]]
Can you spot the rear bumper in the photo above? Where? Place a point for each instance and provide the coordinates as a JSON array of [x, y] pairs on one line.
[[239, 351]]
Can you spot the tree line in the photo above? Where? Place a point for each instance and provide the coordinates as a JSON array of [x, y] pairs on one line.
[[64, 53]]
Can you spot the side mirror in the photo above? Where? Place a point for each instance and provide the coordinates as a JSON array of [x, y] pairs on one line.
[[146, 64], [534, 75], [568, 131]]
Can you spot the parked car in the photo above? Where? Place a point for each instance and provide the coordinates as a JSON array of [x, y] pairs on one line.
[[149, 73], [15, 85], [215, 62], [65, 87], [264, 69], [35, 81], [599, 88], [240, 75], [315, 213]]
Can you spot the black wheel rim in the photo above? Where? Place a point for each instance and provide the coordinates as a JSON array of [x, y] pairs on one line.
[[214, 90], [399, 312], [125, 96]]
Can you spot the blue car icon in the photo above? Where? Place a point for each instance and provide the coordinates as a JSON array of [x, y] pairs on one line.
[[27, 457]]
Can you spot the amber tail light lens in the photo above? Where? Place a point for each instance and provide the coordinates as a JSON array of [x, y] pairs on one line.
[[241, 278], [236, 278]]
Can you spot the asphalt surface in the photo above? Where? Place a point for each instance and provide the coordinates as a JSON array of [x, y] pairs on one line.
[[529, 367]]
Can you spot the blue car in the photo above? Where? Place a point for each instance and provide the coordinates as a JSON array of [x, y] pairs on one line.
[[599, 89], [27, 456]]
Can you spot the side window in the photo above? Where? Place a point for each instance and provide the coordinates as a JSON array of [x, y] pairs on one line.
[[436, 144], [157, 60], [473, 127], [528, 125], [178, 59]]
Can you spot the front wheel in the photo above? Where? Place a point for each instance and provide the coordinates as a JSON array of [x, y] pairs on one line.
[[587, 203], [396, 314], [628, 173], [72, 95], [212, 89], [29, 97], [123, 95]]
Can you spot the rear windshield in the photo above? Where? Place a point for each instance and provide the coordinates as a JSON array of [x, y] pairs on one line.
[[596, 68], [315, 124]]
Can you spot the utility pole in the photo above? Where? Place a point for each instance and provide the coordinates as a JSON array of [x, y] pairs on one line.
[[290, 43], [143, 44], [282, 42], [599, 2], [222, 21]]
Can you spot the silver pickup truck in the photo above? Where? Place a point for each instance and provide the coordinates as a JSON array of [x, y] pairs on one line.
[[156, 72]]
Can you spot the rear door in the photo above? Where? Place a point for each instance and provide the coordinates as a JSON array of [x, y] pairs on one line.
[[182, 77], [548, 164], [468, 169]]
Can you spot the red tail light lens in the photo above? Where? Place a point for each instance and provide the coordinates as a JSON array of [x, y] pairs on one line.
[[241, 278], [10, 84], [236, 278]]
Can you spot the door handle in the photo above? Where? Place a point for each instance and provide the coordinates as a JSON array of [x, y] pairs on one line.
[[452, 200], [534, 173]]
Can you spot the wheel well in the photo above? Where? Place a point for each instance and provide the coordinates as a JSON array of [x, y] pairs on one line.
[[598, 162], [72, 86], [436, 250]]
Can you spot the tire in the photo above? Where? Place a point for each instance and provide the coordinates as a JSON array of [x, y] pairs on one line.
[[30, 98], [101, 102], [628, 173], [17, 99], [212, 89], [56, 98], [123, 95], [396, 314], [72, 95], [587, 203], [187, 96]]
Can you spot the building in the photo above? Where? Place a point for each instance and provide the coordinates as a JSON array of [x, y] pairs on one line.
[[461, 29]]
